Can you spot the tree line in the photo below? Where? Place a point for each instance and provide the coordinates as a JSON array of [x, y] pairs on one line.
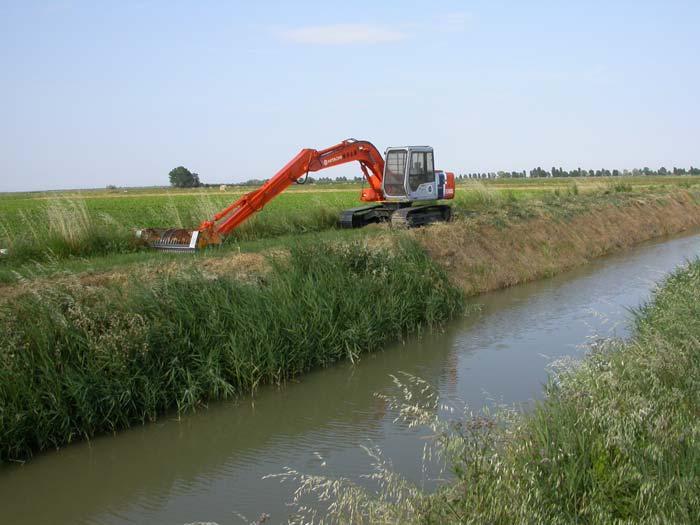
[[181, 177], [538, 172]]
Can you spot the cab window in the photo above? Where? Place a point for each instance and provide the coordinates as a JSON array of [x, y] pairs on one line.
[[421, 169]]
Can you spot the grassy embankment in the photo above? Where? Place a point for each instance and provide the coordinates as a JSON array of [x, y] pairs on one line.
[[89, 353], [616, 439], [78, 360], [515, 241]]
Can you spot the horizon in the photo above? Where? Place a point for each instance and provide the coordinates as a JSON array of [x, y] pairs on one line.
[[690, 171], [121, 94]]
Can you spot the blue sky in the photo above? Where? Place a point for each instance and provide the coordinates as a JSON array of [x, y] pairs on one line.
[[97, 93]]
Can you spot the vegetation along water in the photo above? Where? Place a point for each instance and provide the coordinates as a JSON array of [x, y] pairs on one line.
[[613, 440], [79, 360], [94, 344], [616, 439]]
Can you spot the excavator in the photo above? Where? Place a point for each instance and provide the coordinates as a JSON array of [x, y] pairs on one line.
[[407, 176]]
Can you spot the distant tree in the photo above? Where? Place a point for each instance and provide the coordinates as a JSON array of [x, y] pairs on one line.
[[181, 177], [252, 182], [538, 172]]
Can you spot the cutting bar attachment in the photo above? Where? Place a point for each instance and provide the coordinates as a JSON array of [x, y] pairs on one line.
[[174, 239]]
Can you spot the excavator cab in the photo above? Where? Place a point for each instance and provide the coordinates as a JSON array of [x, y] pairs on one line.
[[410, 175]]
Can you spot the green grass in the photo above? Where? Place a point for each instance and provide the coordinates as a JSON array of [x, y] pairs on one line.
[[13, 271], [76, 361], [616, 439], [45, 227], [55, 233]]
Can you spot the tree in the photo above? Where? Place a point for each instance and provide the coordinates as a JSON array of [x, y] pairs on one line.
[[181, 177]]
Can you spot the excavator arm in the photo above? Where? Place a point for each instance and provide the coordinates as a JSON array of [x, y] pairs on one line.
[[307, 160]]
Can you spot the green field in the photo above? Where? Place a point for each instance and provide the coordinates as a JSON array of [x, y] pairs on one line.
[[50, 232]]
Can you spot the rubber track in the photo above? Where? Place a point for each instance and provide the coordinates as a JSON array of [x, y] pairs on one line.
[[421, 215], [364, 215]]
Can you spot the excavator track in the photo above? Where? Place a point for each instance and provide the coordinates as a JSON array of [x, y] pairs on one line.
[[421, 215], [364, 215]]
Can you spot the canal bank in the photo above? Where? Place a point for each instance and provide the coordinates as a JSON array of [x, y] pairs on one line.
[[513, 243], [207, 465], [616, 438]]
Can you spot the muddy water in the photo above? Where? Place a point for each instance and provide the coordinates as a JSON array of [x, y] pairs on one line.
[[208, 466]]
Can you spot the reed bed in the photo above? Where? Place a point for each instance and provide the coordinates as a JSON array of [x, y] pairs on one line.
[[77, 361]]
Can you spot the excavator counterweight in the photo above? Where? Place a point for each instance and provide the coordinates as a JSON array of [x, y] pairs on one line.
[[406, 176]]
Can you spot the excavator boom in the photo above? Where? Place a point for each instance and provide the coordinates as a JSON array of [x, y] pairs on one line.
[[306, 161]]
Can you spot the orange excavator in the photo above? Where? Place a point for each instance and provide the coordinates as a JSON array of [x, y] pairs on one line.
[[407, 176]]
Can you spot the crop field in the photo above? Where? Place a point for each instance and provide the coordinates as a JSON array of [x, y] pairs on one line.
[[55, 232], [33, 213], [56, 225]]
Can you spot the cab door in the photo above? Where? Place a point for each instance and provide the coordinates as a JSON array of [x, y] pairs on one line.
[[395, 173], [421, 175]]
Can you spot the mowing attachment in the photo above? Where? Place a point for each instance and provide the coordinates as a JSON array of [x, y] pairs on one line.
[[177, 239]]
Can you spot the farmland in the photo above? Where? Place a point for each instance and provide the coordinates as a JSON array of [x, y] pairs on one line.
[[62, 225], [103, 334]]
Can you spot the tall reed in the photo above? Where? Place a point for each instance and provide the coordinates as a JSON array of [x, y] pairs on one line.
[[78, 361], [65, 228]]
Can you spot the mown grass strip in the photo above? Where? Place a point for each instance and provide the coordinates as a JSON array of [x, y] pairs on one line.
[[78, 361]]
